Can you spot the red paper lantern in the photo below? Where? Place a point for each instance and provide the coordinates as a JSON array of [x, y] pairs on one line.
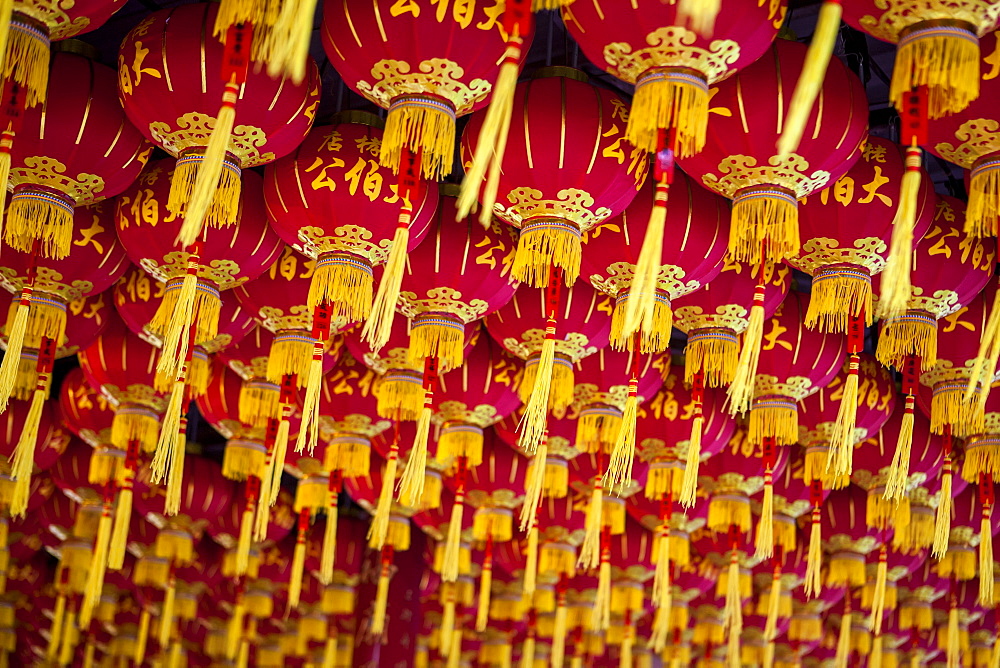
[[738, 159]]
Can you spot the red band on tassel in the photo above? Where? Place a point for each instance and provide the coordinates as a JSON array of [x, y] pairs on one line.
[[666, 507], [252, 490], [321, 321], [132, 455], [914, 117], [303, 524], [855, 333], [409, 183], [663, 161], [12, 106], [911, 373], [769, 453], [986, 493], [46, 356], [552, 291], [336, 480], [460, 474], [236, 53], [816, 492], [517, 17], [287, 388]]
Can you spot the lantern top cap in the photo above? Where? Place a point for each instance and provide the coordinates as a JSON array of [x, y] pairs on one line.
[[359, 116], [561, 71], [76, 47]]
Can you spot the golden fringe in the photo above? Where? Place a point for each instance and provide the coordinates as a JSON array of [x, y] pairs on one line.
[[732, 613], [26, 55], [646, 276], [912, 333], [447, 625], [895, 285], [234, 630], [597, 428], [483, 606], [946, 61], [381, 601], [590, 549], [713, 351], [528, 652], [986, 559], [133, 422], [982, 456], [105, 466], [311, 493], [216, 190], [600, 616], [167, 614], [884, 514], [378, 326], [878, 603], [774, 601], [496, 523], [176, 335], [563, 381], [123, 517], [46, 319], [534, 485], [764, 540], [625, 651], [726, 510], [243, 458], [411, 484], [328, 555], [344, 281], [39, 221], [400, 394], [430, 499], [846, 568], [844, 641], [762, 216], [298, 567], [452, 561], [813, 584], [545, 243], [308, 436], [557, 559], [741, 389], [437, 335], [379, 528], [657, 339], [15, 330], [984, 192], [98, 566], [187, 302], [661, 595], [459, 439], [775, 416], [984, 366], [959, 562], [424, 124], [669, 97], [840, 458], [351, 453], [169, 431], [661, 479], [899, 471], [559, 634], [839, 293], [811, 78], [292, 36], [198, 373], [619, 473], [291, 352], [814, 468], [942, 522], [875, 657], [224, 205], [918, 534], [953, 645], [26, 378], [175, 481], [23, 461], [487, 160], [243, 541], [531, 563], [533, 420], [142, 637], [278, 458]]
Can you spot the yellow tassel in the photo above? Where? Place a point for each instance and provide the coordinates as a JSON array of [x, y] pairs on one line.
[[411, 483], [492, 142], [811, 78], [528, 652], [662, 594], [814, 561], [590, 549], [558, 650], [879, 597], [41, 220], [844, 641], [535, 484], [600, 617], [381, 601], [895, 294], [699, 15], [55, 632], [244, 540], [840, 292], [531, 569], [562, 384], [912, 333], [841, 454], [995, 653], [437, 335], [875, 657], [689, 486], [899, 471], [7, 136], [169, 429], [741, 390], [88, 655], [773, 607], [329, 652], [943, 58], [942, 522], [483, 606], [450, 566], [15, 331], [298, 568], [23, 460], [95, 574], [258, 402], [984, 188], [167, 613], [329, 553], [625, 652], [986, 559], [243, 458], [378, 326], [176, 338], [119, 532], [210, 170], [764, 540], [533, 420], [142, 638], [134, 422], [981, 374], [308, 436], [234, 630], [729, 509], [619, 473], [954, 646], [545, 243], [69, 639], [732, 613], [646, 278], [447, 625], [455, 653], [223, 210], [291, 37], [175, 481], [379, 528]]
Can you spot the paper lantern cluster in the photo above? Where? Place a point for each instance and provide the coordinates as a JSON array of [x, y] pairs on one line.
[[497, 364]]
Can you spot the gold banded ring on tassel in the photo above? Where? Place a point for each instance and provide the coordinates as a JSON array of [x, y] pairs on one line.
[[942, 54], [839, 293], [669, 97], [225, 205], [714, 351], [764, 213], [438, 335], [984, 197], [545, 243], [912, 333], [42, 216], [561, 393], [344, 281]]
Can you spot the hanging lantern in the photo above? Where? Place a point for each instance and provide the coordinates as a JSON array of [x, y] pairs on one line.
[[260, 118], [554, 186], [612, 257], [71, 154], [847, 537], [738, 161]]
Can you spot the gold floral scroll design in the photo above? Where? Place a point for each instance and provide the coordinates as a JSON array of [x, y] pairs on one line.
[[635, 573], [55, 17], [435, 76], [135, 394], [572, 204], [940, 304], [274, 319], [841, 542], [442, 299], [498, 498], [741, 171], [220, 342], [964, 536], [820, 252], [388, 358], [796, 387], [346, 239], [223, 273], [672, 46], [733, 316], [730, 482], [47, 280], [978, 137], [193, 129], [921, 496], [945, 370], [821, 435], [897, 15], [618, 276], [354, 423], [481, 415], [562, 447], [47, 172], [559, 534], [573, 344], [869, 479], [656, 450], [678, 522], [588, 394], [257, 368]]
